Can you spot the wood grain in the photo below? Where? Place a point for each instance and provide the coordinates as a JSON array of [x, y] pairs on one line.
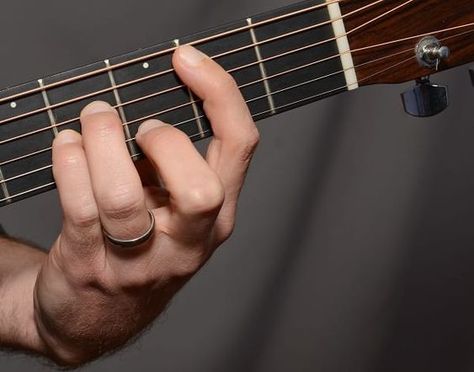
[[396, 62]]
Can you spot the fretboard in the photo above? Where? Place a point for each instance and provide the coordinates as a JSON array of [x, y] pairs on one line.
[[280, 60]]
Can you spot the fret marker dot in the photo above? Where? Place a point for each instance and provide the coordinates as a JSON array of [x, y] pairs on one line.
[[146, 65], [13, 105]]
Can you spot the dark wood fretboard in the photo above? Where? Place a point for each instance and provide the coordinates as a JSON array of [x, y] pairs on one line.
[[281, 59]]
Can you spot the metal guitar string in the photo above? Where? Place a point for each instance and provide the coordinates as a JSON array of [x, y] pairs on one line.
[[170, 71], [47, 128], [254, 116], [169, 50], [177, 107], [282, 73], [191, 137], [191, 102], [273, 57]]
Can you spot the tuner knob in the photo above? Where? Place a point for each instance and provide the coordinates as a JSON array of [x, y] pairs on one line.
[[430, 52], [425, 99], [471, 72]]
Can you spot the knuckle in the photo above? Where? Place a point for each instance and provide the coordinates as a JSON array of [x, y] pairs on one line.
[[85, 217], [189, 264], [225, 232], [204, 199], [121, 204], [225, 84], [139, 280], [245, 146]]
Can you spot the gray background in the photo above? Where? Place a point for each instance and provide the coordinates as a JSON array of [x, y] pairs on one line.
[[353, 249]]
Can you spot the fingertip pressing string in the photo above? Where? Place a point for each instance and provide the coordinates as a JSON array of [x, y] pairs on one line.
[[248, 84]]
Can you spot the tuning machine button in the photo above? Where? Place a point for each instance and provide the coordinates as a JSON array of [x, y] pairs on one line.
[[430, 52], [425, 99]]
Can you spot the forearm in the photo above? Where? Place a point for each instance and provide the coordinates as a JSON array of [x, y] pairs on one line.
[[19, 267]]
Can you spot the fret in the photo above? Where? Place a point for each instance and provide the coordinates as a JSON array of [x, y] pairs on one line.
[[249, 77], [66, 99], [343, 45], [192, 99], [324, 71], [18, 149], [6, 193], [118, 100], [157, 95], [261, 64], [133, 149], [52, 119], [274, 76]]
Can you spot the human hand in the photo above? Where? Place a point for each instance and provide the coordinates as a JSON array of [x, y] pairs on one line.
[[92, 296]]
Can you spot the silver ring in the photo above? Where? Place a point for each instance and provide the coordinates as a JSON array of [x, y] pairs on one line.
[[132, 243]]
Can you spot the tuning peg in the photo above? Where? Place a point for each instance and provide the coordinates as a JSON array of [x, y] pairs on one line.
[[471, 72], [425, 99]]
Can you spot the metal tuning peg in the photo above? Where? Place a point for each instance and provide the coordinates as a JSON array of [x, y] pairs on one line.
[[430, 52], [471, 72], [425, 99]]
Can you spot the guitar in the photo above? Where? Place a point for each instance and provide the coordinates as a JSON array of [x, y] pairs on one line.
[[280, 60]]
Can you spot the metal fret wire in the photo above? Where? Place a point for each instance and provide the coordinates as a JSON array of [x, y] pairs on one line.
[[170, 109], [240, 87], [230, 71], [254, 116], [202, 116], [196, 101], [170, 71], [342, 88], [170, 50]]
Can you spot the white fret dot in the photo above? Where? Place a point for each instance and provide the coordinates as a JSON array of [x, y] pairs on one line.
[[146, 65], [13, 105]]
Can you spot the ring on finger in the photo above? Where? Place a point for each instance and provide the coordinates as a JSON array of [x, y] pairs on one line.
[[132, 243]]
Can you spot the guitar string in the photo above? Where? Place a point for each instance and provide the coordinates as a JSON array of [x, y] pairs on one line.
[[170, 50], [253, 116], [48, 149], [191, 102], [262, 97], [52, 184], [202, 116], [171, 71], [339, 88], [6, 162]]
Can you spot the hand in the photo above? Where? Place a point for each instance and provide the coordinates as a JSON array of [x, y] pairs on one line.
[[91, 296]]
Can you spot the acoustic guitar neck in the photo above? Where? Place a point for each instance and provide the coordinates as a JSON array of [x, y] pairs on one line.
[[280, 60]]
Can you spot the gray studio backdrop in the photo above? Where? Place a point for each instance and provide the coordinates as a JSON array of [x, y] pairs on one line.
[[354, 249]]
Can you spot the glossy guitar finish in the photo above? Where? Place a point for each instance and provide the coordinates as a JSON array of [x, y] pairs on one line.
[[397, 63]]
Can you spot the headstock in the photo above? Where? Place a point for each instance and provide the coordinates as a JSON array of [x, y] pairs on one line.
[[394, 41]]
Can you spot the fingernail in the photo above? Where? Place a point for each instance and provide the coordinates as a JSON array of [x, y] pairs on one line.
[[68, 136], [97, 107], [191, 56], [148, 126]]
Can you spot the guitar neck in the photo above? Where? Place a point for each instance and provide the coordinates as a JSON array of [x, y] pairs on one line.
[[280, 60]]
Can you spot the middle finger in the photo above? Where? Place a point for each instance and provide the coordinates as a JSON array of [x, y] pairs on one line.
[[116, 184]]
